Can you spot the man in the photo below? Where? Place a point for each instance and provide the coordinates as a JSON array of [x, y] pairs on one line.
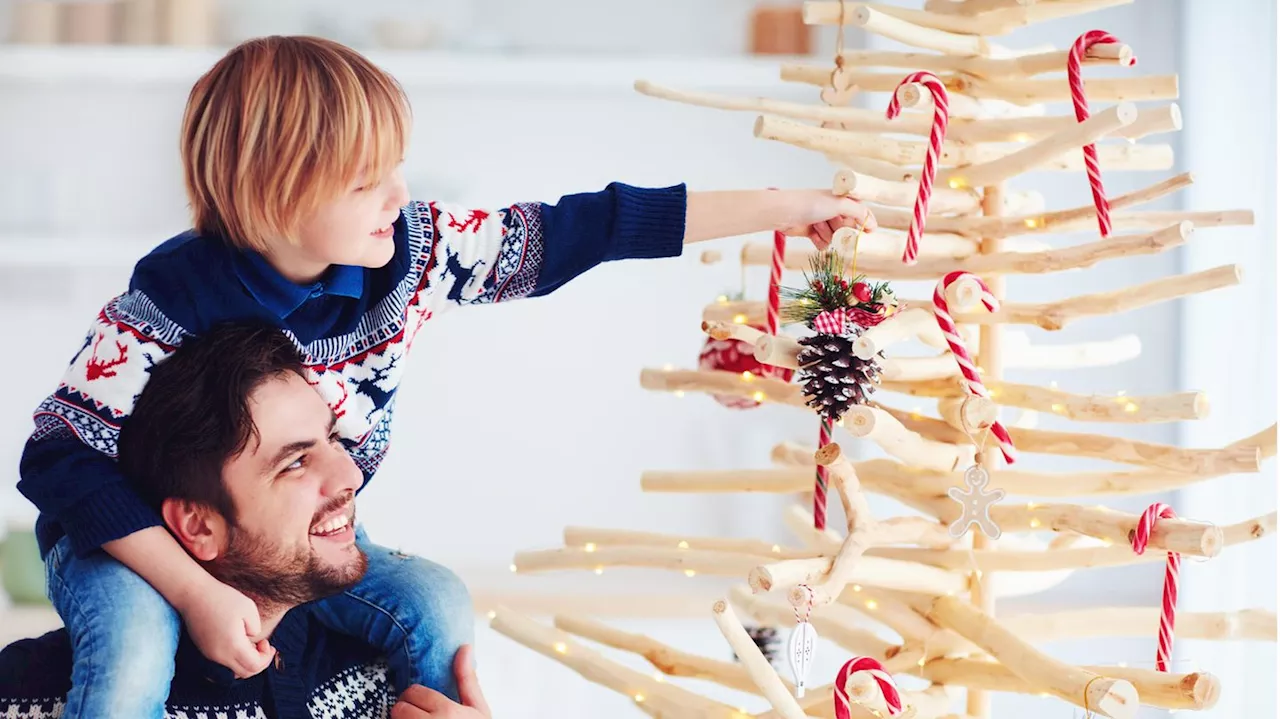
[[236, 400]]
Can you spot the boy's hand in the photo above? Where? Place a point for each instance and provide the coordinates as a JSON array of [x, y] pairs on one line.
[[223, 623], [817, 214], [419, 702]]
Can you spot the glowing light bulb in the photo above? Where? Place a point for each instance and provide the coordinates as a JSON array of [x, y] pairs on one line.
[[857, 587], [758, 396], [513, 567], [599, 570], [1131, 408], [668, 367], [493, 614], [679, 393], [561, 648], [871, 604], [739, 319], [689, 572], [657, 677], [590, 547], [683, 544], [1059, 408], [1021, 137], [1035, 523], [722, 299], [956, 183], [776, 548], [639, 698]]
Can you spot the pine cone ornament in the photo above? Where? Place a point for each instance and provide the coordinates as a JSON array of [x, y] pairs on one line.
[[768, 641], [736, 356], [834, 378]]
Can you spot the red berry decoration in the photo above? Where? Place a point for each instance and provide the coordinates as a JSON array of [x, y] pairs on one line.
[[862, 292], [736, 356]]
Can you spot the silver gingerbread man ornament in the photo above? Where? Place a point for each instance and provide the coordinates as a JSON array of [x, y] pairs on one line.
[[975, 503]]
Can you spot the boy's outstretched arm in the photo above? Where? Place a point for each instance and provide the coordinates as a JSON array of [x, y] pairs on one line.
[[815, 214]]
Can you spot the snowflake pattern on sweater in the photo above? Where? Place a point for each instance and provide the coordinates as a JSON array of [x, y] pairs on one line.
[[361, 692]]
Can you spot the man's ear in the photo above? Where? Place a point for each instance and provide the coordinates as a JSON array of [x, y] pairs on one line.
[[198, 528]]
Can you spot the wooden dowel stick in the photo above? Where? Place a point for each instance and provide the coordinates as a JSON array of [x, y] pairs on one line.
[[902, 194], [731, 330], [1240, 625], [1111, 697], [877, 572], [1016, 67], [757, 667], [954, 158], [767, 481], [1085, 408], [665, 658], [727, 564], [838, 623], [894, 27], [1039, 153], [656, 698], [590, 538], [886, 431], [1159, 689], [1055, 260]]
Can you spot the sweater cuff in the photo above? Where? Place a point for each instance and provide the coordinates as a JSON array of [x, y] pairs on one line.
[[109, 513], [650, 222]]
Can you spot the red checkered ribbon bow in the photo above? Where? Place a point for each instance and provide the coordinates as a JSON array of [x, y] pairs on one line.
[[832, 322]]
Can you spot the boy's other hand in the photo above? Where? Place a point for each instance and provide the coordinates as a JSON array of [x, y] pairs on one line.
[[419, 702], [223, 623], [817, 214]]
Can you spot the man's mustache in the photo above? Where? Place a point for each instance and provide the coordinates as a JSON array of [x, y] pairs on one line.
[[333, 505]]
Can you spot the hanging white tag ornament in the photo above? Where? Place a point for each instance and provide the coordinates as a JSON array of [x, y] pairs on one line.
[[803, 637], [800, 654]]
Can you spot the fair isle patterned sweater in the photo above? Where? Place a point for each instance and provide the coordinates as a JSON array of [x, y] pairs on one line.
[[320, 674], [354, 328]]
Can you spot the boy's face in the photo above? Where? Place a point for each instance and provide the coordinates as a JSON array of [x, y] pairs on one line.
[[356, 228], [293, 487]]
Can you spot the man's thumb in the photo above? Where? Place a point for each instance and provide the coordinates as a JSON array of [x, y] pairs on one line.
[[468, 685]]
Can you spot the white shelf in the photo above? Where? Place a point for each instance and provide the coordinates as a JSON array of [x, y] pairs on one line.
[[166, 65]]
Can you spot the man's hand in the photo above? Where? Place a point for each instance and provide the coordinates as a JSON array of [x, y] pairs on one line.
[[817, 214], [223, 623], [419, 702]]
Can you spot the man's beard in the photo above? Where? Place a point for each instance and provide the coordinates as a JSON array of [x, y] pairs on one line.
[[276, 578]]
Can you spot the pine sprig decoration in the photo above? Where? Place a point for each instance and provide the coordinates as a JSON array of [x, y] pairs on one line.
[[826, 290]]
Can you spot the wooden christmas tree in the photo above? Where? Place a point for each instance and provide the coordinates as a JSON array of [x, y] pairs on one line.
[[952, 123]]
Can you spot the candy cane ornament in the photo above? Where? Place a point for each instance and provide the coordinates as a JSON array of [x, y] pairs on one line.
[[892, 699], [936, 134], [972, 380], [1169, 598], [1074, 61]]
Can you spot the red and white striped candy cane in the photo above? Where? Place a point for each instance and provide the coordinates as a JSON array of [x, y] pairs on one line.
[[1074, 59], [820, 480], [1169, 600], [889, 690], [936, 133], [973, 380]]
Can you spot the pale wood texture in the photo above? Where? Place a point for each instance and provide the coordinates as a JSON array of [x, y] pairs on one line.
[[757, 667]]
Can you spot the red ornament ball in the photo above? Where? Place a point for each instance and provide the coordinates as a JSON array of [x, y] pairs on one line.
[[736, 356], [862, 292]]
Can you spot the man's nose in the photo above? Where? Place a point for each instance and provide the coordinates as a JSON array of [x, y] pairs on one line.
[[342, 474]]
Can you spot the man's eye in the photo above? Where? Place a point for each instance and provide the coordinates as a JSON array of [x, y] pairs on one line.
[[296, 464]]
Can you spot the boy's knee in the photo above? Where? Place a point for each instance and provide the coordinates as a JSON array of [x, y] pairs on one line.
[[436, 596]]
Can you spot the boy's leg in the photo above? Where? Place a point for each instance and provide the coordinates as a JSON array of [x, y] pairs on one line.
[[124, 636], [416, 611]]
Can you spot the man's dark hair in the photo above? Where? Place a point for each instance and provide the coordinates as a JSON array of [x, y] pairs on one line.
[[193, 414]]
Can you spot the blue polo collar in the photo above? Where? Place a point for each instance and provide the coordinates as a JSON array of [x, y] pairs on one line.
[[282, 297]]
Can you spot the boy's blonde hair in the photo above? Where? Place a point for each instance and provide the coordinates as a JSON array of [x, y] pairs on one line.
[[281, 125]]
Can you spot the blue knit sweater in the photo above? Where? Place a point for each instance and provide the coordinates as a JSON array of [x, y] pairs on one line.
[[318, 674], [353, 327]]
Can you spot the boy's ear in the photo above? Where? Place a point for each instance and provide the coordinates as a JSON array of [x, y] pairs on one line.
[[198, 528]]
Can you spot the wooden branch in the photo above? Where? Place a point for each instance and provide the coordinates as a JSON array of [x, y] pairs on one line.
[[877, 572], [987, 67], [1056, 315], [665, 658], [902, 325], [731, 330], [723, 383], [651, 696], [757, 667], [1159, 689], [1070, 139], [1241, 625], [728, 564], [1111, 697], [1012, 14], [767, 481], [1058, 559], [944, 200], [885, 22], [1083, 408], [591, 538], [1056, 260], [954, 159], [886, 431], [1184, 536]]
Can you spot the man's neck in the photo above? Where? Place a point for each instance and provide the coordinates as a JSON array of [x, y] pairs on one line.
[[271, 615]]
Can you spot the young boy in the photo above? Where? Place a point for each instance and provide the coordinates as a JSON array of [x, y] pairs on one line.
[[291, 149]]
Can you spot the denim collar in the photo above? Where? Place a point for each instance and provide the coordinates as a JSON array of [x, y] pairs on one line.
[[282, 297]]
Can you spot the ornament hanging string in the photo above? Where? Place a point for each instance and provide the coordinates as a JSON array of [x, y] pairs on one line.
[[1169, 597], [1074, 79], [972, 380], [888, 690], [937, 132]]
